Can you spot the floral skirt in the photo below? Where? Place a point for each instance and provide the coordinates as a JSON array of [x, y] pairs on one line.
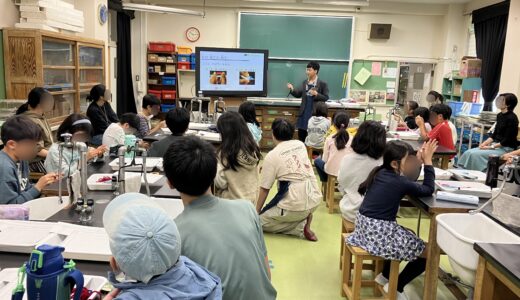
[[386, 239]]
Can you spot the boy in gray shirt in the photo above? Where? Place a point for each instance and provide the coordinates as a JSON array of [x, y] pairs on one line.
[[318, 126]]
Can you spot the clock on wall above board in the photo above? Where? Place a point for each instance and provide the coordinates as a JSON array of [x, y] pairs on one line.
[[193, 34], [102, 14]]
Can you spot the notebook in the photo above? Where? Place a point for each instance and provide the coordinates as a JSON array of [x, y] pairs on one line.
[[464, 187]]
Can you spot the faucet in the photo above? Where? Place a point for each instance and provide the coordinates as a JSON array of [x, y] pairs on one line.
[[508, 170], [82, 147], [145, 176], [198, 118], [392, 124], [121, 173], [67, 143], [216, 113]]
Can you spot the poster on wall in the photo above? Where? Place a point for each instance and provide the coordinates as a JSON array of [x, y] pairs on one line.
[[377, 97], [359, 96]]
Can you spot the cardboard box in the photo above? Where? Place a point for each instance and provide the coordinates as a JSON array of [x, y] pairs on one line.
[[153, 57], [470, 67], [170, 68], [471, 96]]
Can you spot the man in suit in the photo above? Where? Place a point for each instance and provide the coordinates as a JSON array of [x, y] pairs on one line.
[[311, 91]]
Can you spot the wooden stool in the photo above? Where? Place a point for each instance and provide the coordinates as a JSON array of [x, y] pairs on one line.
[[330, 191], [346, 227], [352, 283], [312, 149]]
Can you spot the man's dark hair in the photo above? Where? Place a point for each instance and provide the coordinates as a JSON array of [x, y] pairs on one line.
[[178, 120], [314, 65], [130, 118], [283, 130], [190, 164], [150, 100], [441, 109], [18, 128]]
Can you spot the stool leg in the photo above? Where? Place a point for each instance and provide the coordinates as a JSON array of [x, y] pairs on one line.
[[347, 270], [394, 276], [357, 278], [342, 245], [419, 223], [378, 268], [330, 195]]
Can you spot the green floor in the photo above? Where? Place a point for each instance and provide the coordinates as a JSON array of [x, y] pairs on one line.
[[307, 270]]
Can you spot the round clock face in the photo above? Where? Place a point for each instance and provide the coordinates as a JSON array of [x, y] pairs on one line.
[[192, 34], [102, 14]]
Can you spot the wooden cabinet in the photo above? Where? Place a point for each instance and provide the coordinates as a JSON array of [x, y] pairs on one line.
[[67, 66]]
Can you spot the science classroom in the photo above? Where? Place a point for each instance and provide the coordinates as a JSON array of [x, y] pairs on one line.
[[259, 149]]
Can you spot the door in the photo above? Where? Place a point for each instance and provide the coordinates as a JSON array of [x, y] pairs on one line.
[[415, 82], [112, 80]]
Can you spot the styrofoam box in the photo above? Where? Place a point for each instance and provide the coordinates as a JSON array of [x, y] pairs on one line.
[[8, 281], [151, 162], [93, 185], [22, 236]]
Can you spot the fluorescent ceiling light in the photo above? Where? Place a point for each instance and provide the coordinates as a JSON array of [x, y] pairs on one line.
[[338, 2], [160, 9]]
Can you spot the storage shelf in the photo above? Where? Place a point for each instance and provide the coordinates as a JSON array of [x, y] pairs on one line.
[[162, 62], [162, 73], [91, 68], [59, 67]]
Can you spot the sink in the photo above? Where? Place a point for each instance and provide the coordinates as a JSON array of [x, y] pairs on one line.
[[173, 207], [43, 208], [456, 234]]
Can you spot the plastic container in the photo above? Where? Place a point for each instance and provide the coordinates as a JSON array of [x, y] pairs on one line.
[[193, 66], [169, 95], [167, 107], [456, 107], [184, 50], [153, 57], [184, 66], [193, 58], [161, 47], [184, 58], [156, 93], [476, 108], [168, 80]]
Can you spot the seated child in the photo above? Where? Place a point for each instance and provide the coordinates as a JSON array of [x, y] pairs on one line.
[[151, 107], [367, 149], [115, 133], [238, 158], [248, 111], [290, 211], [441, 131], [146, 247], [222, 235], [80, 128], [177, 120], [318, 126], [376, 228], [20, 137], [409, 120], [335, 148]]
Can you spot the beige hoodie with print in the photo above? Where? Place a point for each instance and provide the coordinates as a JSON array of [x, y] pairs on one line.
[[240, 184]]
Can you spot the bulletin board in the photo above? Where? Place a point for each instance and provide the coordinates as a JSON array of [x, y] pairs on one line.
[[374, 82]]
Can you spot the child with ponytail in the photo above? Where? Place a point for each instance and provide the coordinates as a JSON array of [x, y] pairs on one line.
[[335, 148]]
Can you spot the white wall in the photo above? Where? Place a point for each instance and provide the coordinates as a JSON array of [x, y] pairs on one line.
[[9, 14], [510, 79]]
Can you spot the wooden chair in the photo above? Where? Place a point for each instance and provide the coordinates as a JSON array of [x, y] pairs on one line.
[[310, 150], [330, 191], [352, 283]]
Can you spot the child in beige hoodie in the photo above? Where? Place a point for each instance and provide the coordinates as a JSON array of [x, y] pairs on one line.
[[238, 158]]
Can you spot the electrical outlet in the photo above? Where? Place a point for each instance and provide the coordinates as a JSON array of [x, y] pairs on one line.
[[137, 78]]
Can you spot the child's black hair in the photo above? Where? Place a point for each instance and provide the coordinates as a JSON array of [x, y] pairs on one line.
[[132, 119], [96, 92], [150, 100], [67, 126], [510, 100], [237, 140], [34, 98], [190, 164], [282, 129], [248, 110], [18, 128], [314, 65], [412, 105], [437, 96], [394, 151], [370, 139], [321, 110], [341, 121], [441, 109], [178, 120], [423, 112]]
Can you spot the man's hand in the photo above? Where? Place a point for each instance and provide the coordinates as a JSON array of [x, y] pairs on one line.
[[112, 295], [313, 92], [290, 86], [419, 121]]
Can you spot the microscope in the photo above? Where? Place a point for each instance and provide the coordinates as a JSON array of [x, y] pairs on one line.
[[218, 109], [118, 184]]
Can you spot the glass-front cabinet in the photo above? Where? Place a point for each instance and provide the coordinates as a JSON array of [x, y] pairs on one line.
[[67, 66]]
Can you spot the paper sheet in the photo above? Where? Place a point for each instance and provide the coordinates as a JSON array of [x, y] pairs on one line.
[[390, 84], [389, 72], [376, 69], [362, 76]]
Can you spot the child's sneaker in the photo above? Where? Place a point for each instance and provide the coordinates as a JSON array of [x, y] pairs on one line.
[[400, 296], [381, 280]]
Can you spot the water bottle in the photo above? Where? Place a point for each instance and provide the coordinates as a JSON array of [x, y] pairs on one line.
[[492, 170]]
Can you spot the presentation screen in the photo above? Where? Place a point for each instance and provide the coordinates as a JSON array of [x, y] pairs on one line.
[[231, 72]]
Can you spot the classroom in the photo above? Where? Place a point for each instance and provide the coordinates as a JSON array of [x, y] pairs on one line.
[[259, 149]]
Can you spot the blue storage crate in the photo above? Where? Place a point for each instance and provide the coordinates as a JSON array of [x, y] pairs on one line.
[[193, 58], [476, 108], [168, 80], [193, 66], [167, 107], [184, 58], [456, 107]]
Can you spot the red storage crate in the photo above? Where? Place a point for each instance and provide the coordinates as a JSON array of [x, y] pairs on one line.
[[156, 93], [169, 95], [183, 65], [161, 47]]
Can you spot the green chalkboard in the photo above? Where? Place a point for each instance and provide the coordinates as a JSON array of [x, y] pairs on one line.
[[2, 77], [297, 36], [282, 72]]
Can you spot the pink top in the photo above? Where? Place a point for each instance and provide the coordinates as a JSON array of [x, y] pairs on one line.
[[332, 156]]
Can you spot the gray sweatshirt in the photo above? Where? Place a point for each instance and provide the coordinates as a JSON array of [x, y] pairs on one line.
[[317, 130], [14, 181]]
